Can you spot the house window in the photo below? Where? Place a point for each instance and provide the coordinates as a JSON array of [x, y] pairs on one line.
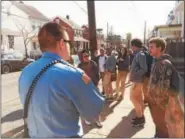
[[11, 41], [1, 39], [34, 46]]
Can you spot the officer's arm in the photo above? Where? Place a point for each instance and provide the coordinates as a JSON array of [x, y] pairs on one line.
[[86, 96]]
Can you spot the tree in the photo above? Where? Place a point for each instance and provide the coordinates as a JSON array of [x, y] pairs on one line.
[[27, 35], [24, 31]]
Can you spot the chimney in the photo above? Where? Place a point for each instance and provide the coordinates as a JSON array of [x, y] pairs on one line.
[[67, 17]]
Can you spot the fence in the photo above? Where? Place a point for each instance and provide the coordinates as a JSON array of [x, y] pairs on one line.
[[176, 49]]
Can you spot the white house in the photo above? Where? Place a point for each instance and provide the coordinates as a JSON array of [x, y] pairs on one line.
[[20, 24], [174, 27]]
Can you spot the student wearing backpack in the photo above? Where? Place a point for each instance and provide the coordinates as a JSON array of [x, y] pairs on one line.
[[165, 88], [149, 60], [139, 69]]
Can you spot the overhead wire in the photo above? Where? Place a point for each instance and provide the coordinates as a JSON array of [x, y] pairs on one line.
[[80, 7]]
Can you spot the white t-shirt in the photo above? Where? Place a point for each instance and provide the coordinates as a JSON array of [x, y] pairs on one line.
[[101, 63]]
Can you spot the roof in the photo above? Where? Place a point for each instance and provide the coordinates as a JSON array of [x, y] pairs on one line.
[[6, 31], [80, 39], [70, 22], [30, 11], [167, 26]]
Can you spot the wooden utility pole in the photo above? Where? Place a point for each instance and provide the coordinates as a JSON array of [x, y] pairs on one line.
[[92, 27], [107, 33], [144, 41]]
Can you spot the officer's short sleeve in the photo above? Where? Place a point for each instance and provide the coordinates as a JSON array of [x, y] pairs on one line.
[[85, 95]]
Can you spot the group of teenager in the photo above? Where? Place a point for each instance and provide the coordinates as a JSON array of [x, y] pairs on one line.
[[155, 82], [56, 95]]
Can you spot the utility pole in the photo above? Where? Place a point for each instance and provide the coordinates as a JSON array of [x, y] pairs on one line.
[[107, 33], [144, 33], [92, 27]]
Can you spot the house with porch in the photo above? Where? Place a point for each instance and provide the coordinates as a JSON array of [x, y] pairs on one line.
[[174, 28], [75, 33], [20, 25], [100, 37], [171, 31]]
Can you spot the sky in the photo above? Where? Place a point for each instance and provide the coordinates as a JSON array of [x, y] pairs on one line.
[[123, 16]]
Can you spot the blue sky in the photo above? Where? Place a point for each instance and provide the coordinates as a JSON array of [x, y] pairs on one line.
[[123, 16]]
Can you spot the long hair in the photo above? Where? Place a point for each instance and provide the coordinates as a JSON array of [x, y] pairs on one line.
[[125, 52]]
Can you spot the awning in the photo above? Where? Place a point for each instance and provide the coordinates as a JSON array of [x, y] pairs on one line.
[[80, 39], [5, 31]]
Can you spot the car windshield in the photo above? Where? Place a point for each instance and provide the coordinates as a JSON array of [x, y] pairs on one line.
[[13, 56]]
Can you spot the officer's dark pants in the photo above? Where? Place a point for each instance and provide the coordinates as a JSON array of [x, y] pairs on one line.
[[158, 116]]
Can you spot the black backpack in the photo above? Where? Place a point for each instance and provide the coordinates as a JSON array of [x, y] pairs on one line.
[[149, 60]]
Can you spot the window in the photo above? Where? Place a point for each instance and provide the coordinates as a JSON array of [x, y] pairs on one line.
[[11, 41], [1, 39], [34, 46], [18, 55]]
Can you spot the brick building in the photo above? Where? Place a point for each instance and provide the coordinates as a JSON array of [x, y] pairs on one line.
[[75, 33], [100, 37]]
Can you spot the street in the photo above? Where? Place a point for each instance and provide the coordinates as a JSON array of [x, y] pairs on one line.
[[116, 116]]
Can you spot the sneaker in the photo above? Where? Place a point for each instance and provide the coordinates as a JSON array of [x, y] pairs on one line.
[[98, 124], [103, 93], [138, 120], [155, 136], [135, 118], [119, 98], [87, 122]]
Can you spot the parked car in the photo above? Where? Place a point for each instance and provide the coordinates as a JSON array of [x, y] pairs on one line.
[[13, 61], [76, 60]]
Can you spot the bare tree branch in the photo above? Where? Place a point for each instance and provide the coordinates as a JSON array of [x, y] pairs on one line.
[[26, 34]]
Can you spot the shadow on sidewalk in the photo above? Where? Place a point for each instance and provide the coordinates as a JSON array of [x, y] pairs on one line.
[[124, 129], [107, 110], [12, 132], [13, 116]]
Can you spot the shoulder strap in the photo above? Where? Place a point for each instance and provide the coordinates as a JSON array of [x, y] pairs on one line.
[[34, 82]]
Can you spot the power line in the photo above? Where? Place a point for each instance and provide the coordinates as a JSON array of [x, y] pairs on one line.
[[8, 13], [81, 8], [136, 12]]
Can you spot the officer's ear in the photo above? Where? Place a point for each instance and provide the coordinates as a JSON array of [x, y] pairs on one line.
[[61, 44]]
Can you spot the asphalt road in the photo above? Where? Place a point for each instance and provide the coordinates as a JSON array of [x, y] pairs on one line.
[[9, 84]]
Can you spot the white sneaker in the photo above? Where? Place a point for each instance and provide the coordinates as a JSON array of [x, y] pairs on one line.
[[99, 124], [87, 122]]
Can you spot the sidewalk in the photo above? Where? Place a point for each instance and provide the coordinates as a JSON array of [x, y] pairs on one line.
[[116, 119]]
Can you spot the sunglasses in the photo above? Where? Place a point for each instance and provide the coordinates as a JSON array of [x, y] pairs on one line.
[[66, 41]]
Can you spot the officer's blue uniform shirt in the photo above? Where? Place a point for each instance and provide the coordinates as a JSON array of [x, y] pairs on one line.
[[59, 99]]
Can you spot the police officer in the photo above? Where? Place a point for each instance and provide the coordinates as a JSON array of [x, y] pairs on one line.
[[62, 95]]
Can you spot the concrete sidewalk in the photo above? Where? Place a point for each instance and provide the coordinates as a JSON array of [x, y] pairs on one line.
[[116, 118]]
